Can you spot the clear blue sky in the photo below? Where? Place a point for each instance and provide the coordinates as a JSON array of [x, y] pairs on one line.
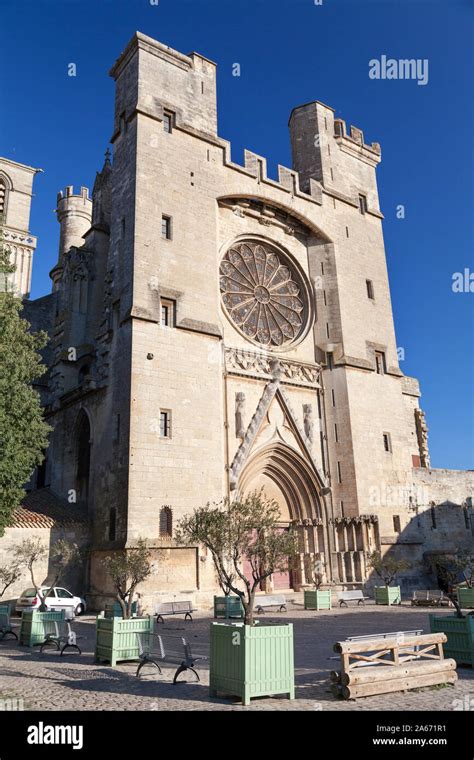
[[290, 52]]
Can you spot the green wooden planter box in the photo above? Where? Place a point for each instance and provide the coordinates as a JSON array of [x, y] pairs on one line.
[[317, 600], [252, 661], [460, 633], [116, 640], [388, 595], [228, 607], [466, 598], [32, 626]]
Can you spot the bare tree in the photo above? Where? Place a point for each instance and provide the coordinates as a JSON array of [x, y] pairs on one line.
[[62, 556]]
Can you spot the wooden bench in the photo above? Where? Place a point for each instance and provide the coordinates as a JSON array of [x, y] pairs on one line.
[[6, 628], [388, 663], [393, 634], [351, 596], [265, 602], [154, 648], [433, 598], [174, 608], [59, 633]]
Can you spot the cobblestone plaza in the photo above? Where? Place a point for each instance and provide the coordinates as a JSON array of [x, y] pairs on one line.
[[74, 682]]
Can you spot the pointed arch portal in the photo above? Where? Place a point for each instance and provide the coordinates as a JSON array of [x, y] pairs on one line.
[[290, 480]]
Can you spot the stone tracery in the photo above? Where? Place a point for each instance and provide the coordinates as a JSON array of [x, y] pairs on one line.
[[261, 294]]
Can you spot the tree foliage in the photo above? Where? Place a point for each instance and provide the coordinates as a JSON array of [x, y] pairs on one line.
[[386, 567], [127, 569], [450, 568], [9, 574], [23, 431], [247, 529]]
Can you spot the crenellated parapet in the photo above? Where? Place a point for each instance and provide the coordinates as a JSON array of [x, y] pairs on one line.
[[354, 142], [288, 179]]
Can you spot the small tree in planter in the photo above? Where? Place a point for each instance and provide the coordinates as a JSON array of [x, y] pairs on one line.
[[317, 599], [116, 637], [449, 569], [387, 569], [246, 659], [207, 527], [246, 529], [459, 628], [127, 569]]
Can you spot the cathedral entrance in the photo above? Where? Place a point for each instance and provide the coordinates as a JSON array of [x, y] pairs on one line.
[[284, 476]]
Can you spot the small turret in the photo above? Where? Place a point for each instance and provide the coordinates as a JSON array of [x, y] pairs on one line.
[[74, 214]]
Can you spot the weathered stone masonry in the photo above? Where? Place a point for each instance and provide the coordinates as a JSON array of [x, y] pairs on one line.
[[230, 332]]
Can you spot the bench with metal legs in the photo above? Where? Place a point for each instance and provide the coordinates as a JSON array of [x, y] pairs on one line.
[[351, 596], [174, 608], [265, 602], [6, 628], [155, 649], [60, 634]]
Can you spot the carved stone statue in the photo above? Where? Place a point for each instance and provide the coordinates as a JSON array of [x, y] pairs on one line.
[[308, 422], [239, 415], [422, 436]]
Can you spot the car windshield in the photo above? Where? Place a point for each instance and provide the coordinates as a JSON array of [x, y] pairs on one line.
[[29, 593]]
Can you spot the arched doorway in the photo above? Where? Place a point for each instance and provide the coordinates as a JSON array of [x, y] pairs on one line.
[[285, 476], [83, 456]]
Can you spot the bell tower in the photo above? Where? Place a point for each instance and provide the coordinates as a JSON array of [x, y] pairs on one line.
[[16, 192]]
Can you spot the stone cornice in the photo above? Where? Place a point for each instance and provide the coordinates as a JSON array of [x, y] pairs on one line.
[[31, 169], [18, 237]]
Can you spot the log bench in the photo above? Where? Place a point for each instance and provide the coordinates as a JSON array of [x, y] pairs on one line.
[[351, 596], [174, 608], [386, 664], [265, 602]]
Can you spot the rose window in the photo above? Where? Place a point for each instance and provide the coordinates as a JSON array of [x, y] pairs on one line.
[[262, 294]]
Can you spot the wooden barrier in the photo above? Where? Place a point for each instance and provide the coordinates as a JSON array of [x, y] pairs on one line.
[[385, 665]]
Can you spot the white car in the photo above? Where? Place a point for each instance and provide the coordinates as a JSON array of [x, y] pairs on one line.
[[56, 599]]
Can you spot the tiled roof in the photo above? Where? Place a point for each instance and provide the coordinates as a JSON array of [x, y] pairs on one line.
[[43, 509]]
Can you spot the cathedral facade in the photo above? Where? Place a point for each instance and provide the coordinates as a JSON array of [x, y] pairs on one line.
[[216, 331]]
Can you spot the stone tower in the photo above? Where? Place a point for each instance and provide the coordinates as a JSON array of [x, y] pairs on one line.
[[74, 214], [16, 192]]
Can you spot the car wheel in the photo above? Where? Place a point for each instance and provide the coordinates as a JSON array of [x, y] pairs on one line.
[[79, 609]]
